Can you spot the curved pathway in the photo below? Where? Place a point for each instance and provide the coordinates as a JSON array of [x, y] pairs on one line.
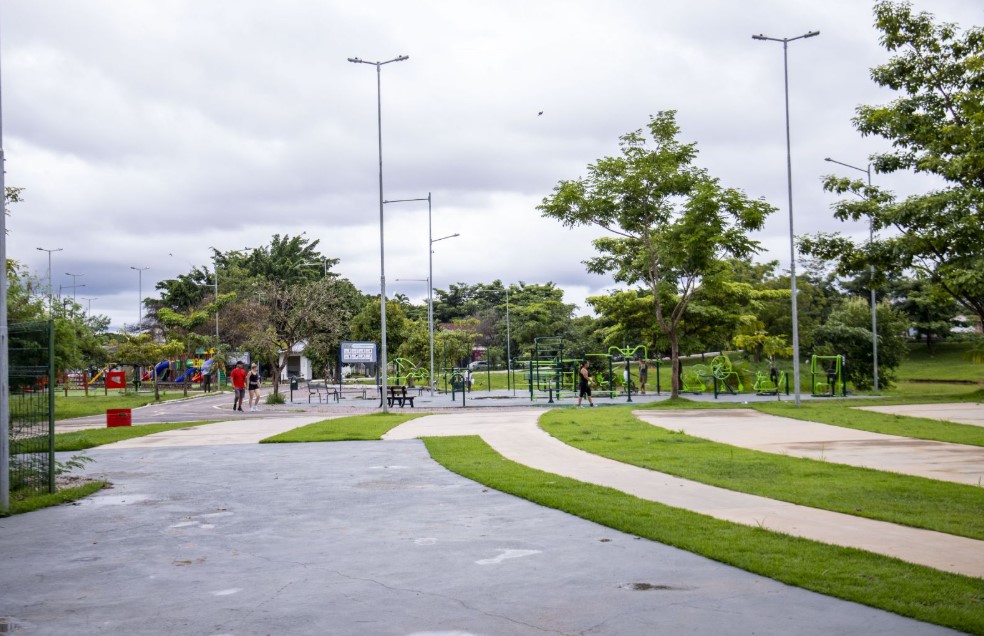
[[748, 428], [960, 412], [516, 435]]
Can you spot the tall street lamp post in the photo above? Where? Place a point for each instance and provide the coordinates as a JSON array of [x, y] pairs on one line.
[[140, 271], [789, 185], [56, 249], [74, 276], [871, 270], [88, 310], [430, 277], [215, 271], [382, 252]]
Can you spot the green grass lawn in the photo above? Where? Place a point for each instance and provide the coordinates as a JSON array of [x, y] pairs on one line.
[[20, 505], [913, 501], [945, 362], [910, 590], [356, 427], [80, 405]]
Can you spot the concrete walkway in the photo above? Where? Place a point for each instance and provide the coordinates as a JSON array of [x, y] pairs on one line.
[[220, 433], [961, 413], [516, 435], [750, 429]]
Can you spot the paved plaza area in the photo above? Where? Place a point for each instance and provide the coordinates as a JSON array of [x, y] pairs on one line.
[[207, 532]]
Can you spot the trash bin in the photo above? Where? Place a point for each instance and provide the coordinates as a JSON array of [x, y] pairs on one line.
[[293, 383], [117, 417]]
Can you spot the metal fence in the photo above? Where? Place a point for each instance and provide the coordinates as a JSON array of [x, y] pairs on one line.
[[32, 408]]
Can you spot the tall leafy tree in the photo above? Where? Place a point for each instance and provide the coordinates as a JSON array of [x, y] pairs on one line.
[[936, 127], [848, 332], [672, 224]]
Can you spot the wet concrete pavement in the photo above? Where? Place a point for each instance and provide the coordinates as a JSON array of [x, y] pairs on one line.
[[364, 538]]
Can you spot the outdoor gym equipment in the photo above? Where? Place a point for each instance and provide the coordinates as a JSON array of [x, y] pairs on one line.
[[627, 353], [770, 383], [696, 378], [602, 383], [549, 372], [827, 371], [722, 372]]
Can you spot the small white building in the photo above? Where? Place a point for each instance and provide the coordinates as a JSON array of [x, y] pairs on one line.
[[295, 364]]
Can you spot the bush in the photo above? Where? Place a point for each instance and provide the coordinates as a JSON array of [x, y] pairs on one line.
[[275, 398]]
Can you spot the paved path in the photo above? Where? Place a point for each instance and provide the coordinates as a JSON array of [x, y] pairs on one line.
[[516, 436], [750, 429], [220, 433], [961, 412], [356, 538]]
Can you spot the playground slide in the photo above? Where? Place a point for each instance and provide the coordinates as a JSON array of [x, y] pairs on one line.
[[158, 370], [190, 372], [97, 376]]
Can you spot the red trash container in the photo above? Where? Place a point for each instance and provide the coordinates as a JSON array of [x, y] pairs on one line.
[[117, 417]]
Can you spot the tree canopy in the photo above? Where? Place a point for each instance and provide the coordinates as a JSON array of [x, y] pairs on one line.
[[936, 127], [672, 224]]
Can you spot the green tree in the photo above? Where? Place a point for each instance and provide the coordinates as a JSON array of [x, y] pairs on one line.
[[297, 314], [141, 351], [936, 126], [848, 332], [365, 325], [673, 224]]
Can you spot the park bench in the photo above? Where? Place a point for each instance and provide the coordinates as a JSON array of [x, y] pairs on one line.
[[321, 390], [398, 394]]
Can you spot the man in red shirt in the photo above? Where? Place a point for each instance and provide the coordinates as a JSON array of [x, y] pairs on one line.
[[238, 377]]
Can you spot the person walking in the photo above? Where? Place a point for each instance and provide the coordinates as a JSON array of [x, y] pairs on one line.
[[643, 376], [238, 378], [585, 385], [253, 382]]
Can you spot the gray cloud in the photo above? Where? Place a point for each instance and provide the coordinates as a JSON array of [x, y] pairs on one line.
[[142, 129]]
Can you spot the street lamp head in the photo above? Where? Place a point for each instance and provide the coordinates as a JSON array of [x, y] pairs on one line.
[[402, 58], [759, 37], [811, 34], [827, 159], [355, 60]]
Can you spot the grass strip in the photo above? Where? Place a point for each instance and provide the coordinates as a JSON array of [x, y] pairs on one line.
[[20, 505], [82, 405], [92, 437], [843, 413], [355, 427], [913, 501], [910, 590]]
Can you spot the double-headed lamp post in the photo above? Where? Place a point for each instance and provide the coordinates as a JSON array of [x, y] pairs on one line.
[[430, 277], [382, 251], [56, 249], [789, 186], [874, 301], [140, 271], [88, 310], [74, 285]]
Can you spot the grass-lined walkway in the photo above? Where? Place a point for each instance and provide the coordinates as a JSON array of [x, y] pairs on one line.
[[913, 501], [910, 590], [845, 413]]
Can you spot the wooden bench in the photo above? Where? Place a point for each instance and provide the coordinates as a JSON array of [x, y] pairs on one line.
[[398, 394]]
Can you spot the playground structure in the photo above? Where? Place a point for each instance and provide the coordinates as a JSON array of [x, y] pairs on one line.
[[826, 372], [627, 353]]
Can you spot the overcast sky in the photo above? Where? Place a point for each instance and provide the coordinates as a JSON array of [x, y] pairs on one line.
[[144, 132]]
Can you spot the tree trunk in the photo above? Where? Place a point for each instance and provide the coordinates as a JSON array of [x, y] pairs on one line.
[[674, 364]]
